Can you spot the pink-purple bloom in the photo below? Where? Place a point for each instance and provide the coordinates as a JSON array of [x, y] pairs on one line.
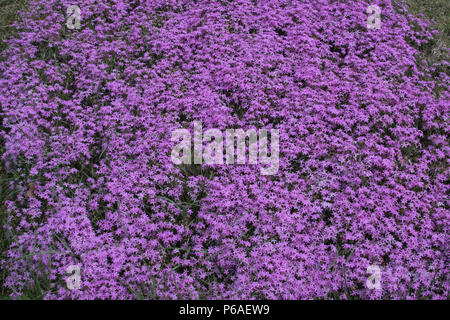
[[363, 173]]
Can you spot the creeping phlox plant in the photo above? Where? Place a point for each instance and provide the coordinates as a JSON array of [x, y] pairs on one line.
[[102, 212]]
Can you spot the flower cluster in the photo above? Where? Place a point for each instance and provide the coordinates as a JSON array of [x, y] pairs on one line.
[[88, 115]]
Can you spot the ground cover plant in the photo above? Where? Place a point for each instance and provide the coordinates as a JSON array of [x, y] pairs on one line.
[[95, 208]]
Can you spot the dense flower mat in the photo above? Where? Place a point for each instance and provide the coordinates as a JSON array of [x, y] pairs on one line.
[[363, 180]]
